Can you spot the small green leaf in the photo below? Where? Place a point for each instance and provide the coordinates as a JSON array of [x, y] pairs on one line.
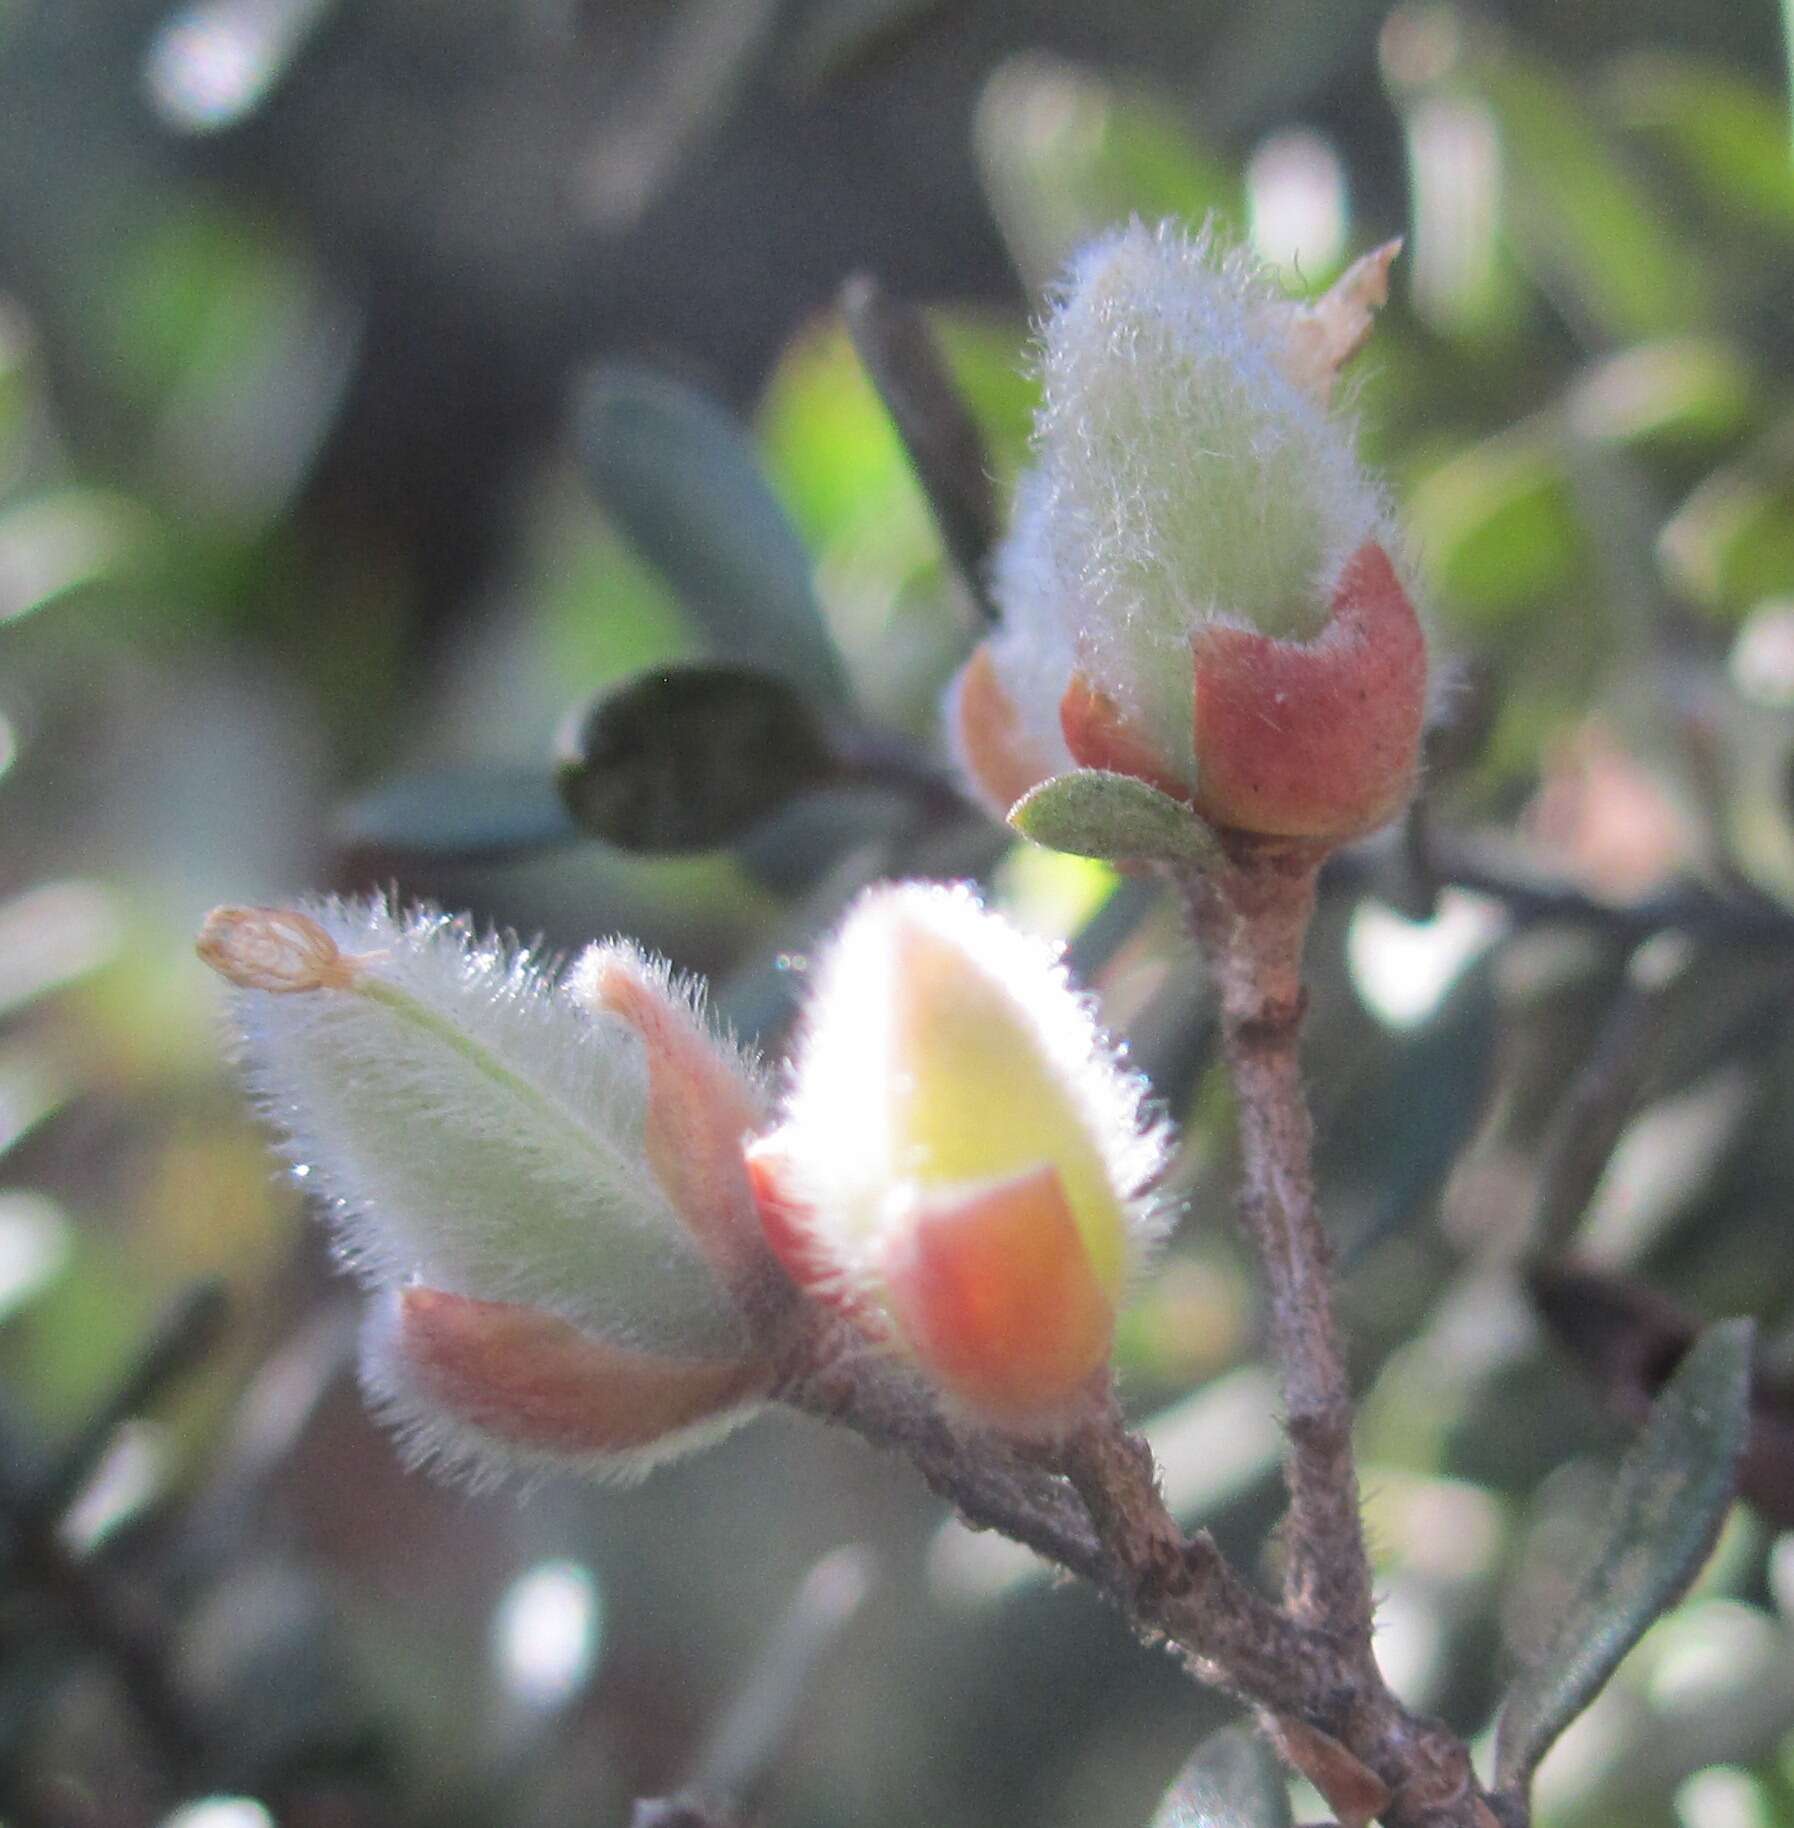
[[459, 814], [686, 758], [1231, 1781], [1669, 1498], [680, 477], [1093, 813]]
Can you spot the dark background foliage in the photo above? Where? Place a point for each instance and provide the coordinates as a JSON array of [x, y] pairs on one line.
[[378, 382]]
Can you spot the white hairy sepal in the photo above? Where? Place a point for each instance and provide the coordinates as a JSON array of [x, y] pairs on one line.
[[432, 1438], [465, 1123], [843, 1162], [1186, 476]]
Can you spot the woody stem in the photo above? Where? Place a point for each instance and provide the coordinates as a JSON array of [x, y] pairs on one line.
[[1250, 913]]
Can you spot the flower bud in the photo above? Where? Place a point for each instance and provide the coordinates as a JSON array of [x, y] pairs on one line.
[[1198, 585], [543, 1180], [964, 1166]]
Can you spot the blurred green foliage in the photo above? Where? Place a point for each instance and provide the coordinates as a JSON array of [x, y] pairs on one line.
[[316, 523]]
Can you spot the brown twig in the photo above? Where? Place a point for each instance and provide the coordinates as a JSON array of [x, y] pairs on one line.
[[123, 1623], [1437, 860], [1092, 1506], [837, 1375], [1182, 1588], [1251, 917]]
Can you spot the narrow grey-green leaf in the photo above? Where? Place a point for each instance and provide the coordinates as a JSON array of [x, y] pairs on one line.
[[1093, 813], [1669, 1498], [1231, 1781], [686, 758], [460, 814], [944, 442], [679, 475]]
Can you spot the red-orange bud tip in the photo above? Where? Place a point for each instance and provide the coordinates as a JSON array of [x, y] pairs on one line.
[[701, 1103], [1317, 739], [995, 1293], [537, 1381]]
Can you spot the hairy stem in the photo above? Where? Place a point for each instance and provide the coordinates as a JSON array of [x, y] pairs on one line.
[[1183, 1588], [1091, 1505], [1251, 916], [837, 1375]]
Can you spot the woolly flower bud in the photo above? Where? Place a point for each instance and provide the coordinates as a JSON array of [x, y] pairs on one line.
[[541, 1179], [965, 1166], [1197, 589]]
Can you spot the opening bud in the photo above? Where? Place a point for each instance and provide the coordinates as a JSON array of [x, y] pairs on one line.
[[965, 1165], [551, 1175], [1198, 589]]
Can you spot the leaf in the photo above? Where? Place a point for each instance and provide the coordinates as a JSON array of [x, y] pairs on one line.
[[464, 814], [1593, 234], [1499, 525], [1093, 813], [1680, 392], [839, 42], [686, 758], [52, 935], [1670, 1496], [1729, 133], [681, 478], [1231, 1781], [904, 361], [1110, 927]]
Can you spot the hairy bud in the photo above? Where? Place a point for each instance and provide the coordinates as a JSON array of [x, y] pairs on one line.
[[965, 1167], [1197, 590], [542, 1180]]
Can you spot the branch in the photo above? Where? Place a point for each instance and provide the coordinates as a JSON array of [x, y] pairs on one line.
[[121, 1622], [839, 1376], [1250, 915], [1091, 1504], [1183, 1588], [1435, 861]]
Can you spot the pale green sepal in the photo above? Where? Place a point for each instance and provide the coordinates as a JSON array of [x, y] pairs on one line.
[[1093, 813]]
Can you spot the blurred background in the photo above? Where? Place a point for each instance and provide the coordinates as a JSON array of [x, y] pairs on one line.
[[380, 380]]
